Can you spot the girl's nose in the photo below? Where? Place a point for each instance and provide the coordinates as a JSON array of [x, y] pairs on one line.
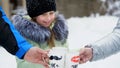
[[48, 18]]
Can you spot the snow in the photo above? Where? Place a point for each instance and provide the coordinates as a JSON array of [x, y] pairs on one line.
[[86, 30], [103, 0], [7, 60], [113, 8]]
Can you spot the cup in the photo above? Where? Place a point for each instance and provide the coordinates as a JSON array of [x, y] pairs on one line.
[[60, 49], [57, 56], [72, 59]]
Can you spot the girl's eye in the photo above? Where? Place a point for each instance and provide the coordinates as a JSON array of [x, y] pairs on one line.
[[51, 13], [44, 14]]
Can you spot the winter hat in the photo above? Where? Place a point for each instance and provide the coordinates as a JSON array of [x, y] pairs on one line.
[[38, 7]]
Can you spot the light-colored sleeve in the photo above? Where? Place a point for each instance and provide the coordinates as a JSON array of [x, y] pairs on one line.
[[108, 45]]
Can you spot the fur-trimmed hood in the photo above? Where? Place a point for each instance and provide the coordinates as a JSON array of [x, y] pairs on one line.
[[40, 34]]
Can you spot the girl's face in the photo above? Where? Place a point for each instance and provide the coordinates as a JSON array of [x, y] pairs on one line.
[[46, 19]]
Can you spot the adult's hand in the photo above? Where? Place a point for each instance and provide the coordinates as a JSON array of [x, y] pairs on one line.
[[85, 55], [37, 55]]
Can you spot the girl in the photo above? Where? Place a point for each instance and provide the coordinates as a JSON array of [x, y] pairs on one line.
[[46, 28]]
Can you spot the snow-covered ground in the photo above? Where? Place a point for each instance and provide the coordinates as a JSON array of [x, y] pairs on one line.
[[89, 29], [7, 60]]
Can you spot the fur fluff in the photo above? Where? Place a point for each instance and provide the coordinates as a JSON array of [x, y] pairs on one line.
[[40, 34]]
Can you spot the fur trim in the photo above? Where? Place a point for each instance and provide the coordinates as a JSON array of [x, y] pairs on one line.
[[38, 33]]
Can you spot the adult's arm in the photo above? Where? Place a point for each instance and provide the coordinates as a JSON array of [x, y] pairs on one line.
[[108, 45], [10, 38]]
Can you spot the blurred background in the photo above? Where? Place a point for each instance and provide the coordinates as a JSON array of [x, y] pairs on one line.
[[88, 21], [71, 8]]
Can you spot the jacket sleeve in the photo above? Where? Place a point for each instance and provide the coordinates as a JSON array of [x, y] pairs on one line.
[[10, 38], [108, 45]]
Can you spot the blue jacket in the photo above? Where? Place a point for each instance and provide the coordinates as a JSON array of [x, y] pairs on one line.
[[10, 38]]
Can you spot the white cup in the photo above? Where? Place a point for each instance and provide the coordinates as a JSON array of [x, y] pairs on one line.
[[57, 57], [60, 49], [72, 59]]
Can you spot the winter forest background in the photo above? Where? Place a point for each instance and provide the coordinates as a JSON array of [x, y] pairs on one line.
[[89, 7], [71, 8], [88, 21]]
